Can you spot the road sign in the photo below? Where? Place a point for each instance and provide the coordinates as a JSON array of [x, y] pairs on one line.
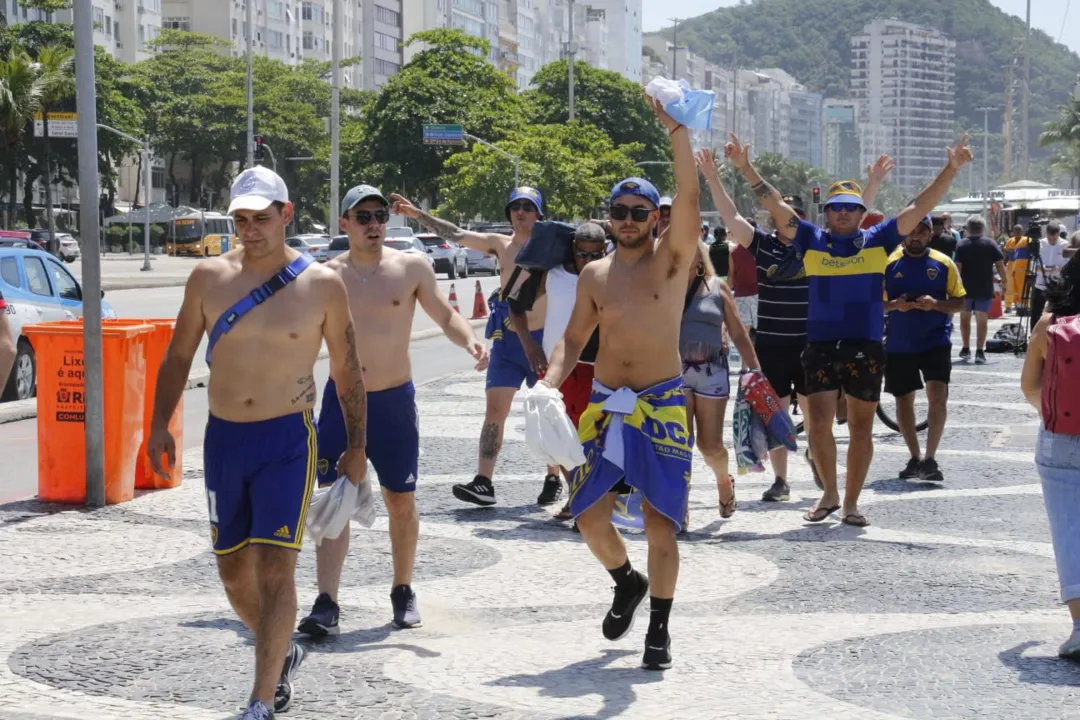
[[444, 135], [61, 125]]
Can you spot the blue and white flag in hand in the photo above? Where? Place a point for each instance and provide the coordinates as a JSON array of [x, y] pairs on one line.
[[692, 108]]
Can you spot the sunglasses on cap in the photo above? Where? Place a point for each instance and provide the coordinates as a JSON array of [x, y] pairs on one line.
[[637, 214], [586, 255], [364, 217], [844, 207], [525, 205]]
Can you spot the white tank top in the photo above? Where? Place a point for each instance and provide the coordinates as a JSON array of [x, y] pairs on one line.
[[561, 288]]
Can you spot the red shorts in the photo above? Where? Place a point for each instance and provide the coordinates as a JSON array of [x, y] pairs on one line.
[[576, 390]]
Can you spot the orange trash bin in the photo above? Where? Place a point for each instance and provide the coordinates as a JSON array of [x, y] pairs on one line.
[[58, 347]]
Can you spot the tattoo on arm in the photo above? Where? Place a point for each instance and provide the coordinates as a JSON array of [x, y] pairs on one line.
[[352, 359], [762, 190], [793, 223], [354, 399], [489, 441], [443, 228]]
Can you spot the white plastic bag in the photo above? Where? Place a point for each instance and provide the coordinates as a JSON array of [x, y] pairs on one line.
[[549, 434], [331, 508]]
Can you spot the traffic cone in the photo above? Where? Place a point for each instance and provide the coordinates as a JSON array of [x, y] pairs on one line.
[[479, 307], [995, 306], [453, 299]]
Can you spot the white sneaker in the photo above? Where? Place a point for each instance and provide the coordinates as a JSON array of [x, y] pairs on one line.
[[1071, 648]]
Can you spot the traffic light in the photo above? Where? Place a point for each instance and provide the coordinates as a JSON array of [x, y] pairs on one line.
[[204, 200], [817, 196], [258, 139]]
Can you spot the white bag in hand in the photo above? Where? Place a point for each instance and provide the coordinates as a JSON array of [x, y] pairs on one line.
[[549, 434], [331, 508]]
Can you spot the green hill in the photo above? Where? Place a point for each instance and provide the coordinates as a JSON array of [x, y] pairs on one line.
[[811, 40]]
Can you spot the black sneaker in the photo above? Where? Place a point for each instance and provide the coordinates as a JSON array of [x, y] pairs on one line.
[[619, 620], [552, 491], [778, 492], [980, 357], [257, 710], [965, 354], [284, 693], [912, 470], [930, 470], [323, 619], [406, 610], [479, 492], [657, 654]]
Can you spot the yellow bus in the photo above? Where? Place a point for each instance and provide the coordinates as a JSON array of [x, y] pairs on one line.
[[201, 235]]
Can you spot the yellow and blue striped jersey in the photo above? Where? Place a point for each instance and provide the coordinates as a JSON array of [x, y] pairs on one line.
[[933, 274]]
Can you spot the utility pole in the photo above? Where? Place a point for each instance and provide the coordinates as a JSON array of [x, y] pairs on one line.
[[674, 48], [986, 158], [1027, 96], [571, 54], [1007, 122], [89, 227], [250, 83], [335, 118]]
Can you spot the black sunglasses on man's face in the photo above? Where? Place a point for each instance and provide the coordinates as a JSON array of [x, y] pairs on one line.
[[586, 255], [637, 214], [521, 205], [363, 217]]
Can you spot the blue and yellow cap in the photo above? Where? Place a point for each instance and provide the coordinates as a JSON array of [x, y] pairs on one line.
[[637, 186], [526, 193], [845, 191]]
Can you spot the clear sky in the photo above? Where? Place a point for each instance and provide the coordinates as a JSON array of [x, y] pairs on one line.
[[1046, 15]]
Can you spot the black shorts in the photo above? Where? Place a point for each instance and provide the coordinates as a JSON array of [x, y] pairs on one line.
[[906, 372], [854, 366], [782, 367]]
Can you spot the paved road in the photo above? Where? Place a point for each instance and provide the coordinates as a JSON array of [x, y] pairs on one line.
[[946, 608]]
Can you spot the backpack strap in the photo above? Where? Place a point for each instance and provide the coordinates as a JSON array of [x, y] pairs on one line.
[[692, 292], [255, 298]]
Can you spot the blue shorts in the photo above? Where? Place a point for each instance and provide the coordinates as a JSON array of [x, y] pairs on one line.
[[393, 436], [508, 366], [971, 304], [259, 478]]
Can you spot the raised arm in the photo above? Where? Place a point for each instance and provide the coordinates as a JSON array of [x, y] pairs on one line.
[[685, 228], [348, 375], [739, 229], [453, 324], [172, 376], [583, 321], [876, 175], [484, 242], [908, 219], [785, 219]]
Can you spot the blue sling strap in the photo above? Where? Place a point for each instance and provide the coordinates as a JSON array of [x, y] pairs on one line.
[[255, 298]]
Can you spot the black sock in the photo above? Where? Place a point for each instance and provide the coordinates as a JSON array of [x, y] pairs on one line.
[[481, 478], [660, 609], [624, 576]]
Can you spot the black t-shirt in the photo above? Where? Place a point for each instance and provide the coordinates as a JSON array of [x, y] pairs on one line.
[[976, 258], [719, 254], [782, 304], [944, 243]]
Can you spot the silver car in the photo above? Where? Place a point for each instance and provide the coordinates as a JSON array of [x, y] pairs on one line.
[[338, 244], [411, 246], [481, 262], [313, 244], [449, 257]]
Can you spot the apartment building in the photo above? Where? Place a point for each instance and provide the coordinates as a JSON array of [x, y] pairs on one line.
[[903, 76], [121, 27], [842, 147], [479, 18], [623, 21]]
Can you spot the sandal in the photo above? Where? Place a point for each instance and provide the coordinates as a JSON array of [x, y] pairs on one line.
[[819, 514], [855, 520], [727, 509], [565, 513]]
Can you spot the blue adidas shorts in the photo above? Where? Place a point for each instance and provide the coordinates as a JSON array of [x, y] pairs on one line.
[[508, 366], [393, 436], [259, 478]]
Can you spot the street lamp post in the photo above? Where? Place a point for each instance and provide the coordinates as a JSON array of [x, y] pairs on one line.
[[250, 83], [571, 55], [146, 189], [513, 158], [986, 157]]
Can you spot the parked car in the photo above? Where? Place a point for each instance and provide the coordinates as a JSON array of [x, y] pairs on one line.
[[481, 262], [449, 257], [69, 247], [338, 244], [37, 288], [412, 246], [314, 244], [399, 232]]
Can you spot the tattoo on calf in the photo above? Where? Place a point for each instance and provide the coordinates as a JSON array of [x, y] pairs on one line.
[[489, 441]]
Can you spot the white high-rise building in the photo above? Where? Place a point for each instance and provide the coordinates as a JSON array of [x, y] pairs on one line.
[[121, 27], [480, 18], [623, 21], [903, 77]]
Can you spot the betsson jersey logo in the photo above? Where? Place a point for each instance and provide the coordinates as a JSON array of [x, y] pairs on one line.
[[835, 262]]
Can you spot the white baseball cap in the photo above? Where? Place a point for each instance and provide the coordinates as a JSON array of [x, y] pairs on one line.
[[256, 189]]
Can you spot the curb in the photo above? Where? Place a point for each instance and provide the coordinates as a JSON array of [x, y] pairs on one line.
[[27, 409], [113, 285]]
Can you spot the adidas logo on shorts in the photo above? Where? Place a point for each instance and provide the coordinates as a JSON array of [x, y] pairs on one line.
[[283, 532]]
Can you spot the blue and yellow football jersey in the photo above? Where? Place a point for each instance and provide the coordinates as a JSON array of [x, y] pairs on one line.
[[932, 274]]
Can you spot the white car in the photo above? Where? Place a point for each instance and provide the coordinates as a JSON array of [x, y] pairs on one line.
[[69, 247], [410, 246]]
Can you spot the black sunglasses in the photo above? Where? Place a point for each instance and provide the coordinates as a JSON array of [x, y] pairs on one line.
[[586, 255], [637, 214], [521, 205], [844, 207], [364, 217]]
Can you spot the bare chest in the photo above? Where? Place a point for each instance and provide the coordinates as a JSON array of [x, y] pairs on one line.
[[292, 317], [639, 297], [381, 300]]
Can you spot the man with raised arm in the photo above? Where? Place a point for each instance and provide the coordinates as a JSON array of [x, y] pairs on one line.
[[384, 286], [267, 310], [634, 431], [512, 361], [845, 315]]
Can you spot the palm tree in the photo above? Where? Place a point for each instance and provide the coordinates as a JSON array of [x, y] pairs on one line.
[[55, 65], [1066, 129], [20, 97]]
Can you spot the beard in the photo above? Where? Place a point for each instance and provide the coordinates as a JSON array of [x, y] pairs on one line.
[[633, 242]]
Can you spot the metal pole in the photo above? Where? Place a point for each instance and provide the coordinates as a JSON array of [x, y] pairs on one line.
[[146, 206], [335, 118], [250, 84], [572, 57], [986, 158], [273, 160], [1027, 95], [93, 389], [513, 158]]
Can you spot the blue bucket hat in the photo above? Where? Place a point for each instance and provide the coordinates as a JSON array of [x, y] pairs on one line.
[[526, 193], [637, 186]]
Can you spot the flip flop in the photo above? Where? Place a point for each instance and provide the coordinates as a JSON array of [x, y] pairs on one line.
[[855, 520], [565, 513], [811, 515]]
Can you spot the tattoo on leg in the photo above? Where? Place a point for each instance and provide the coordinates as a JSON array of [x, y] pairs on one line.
[[489, 441]]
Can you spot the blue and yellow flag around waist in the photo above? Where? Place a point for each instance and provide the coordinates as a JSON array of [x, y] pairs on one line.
[[640, 438], [498, 322]]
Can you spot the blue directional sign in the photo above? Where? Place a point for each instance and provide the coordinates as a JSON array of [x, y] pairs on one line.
[[444, 135]]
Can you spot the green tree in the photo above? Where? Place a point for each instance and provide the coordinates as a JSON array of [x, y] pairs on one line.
[[20, 98], [56, 66], [450, 82], [574, 165], [1065, 132]]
